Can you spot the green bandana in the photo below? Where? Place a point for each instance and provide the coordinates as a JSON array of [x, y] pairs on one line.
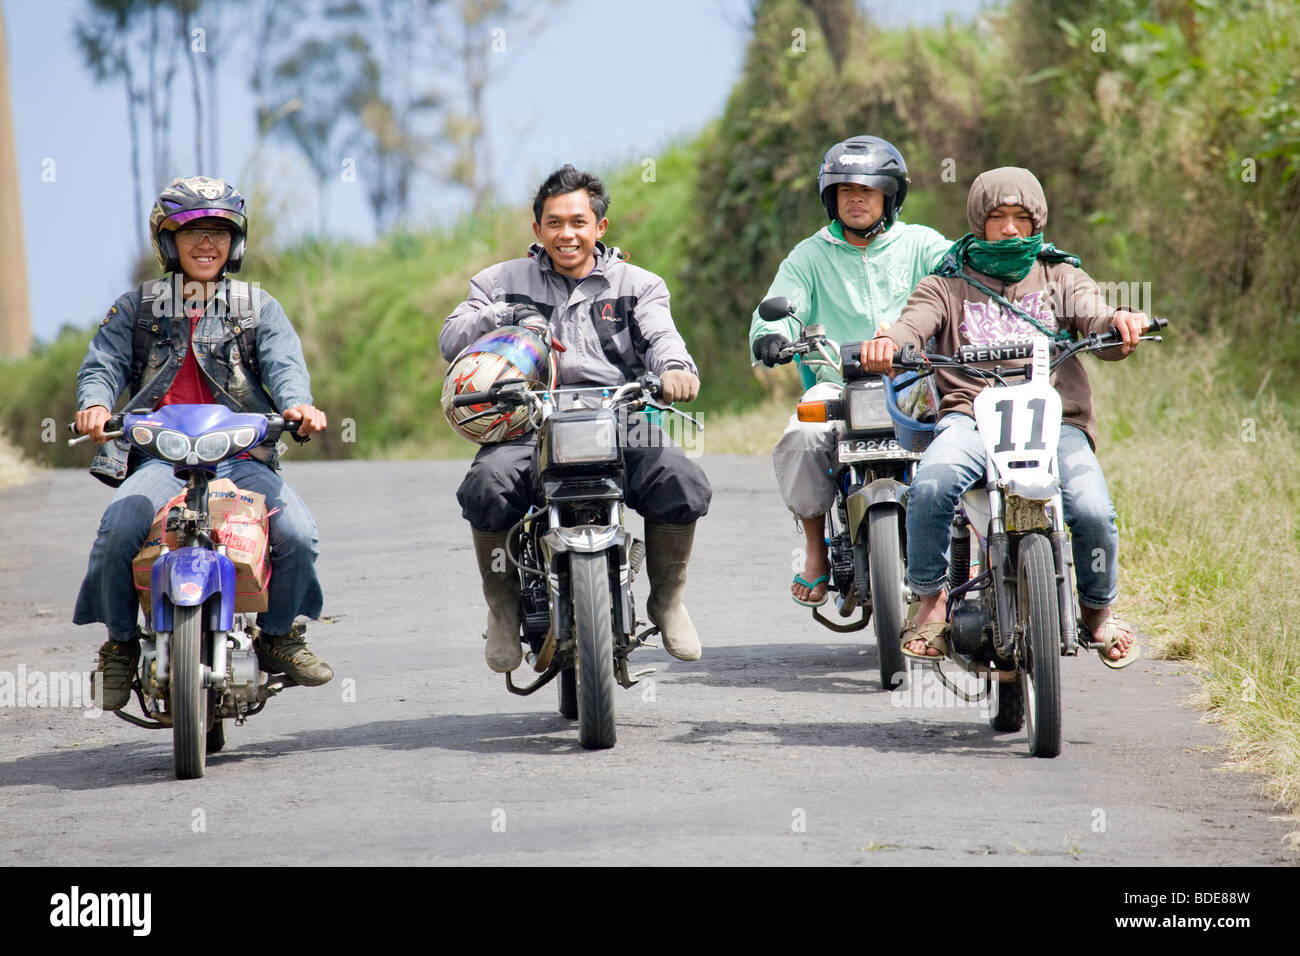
[[1006, 259], [1009, 260]]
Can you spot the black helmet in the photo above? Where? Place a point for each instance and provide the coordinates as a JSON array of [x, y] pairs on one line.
[[870, 161], [196, 198]]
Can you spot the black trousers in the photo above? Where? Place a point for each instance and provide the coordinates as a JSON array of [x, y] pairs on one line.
[[663, 485]]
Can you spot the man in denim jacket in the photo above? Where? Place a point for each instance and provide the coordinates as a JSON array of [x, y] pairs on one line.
[[196, 337]]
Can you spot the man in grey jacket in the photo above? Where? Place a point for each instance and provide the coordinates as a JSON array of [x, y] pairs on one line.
[[614, 322]]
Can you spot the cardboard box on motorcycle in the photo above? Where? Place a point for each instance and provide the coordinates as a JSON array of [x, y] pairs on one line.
[[239, 521]]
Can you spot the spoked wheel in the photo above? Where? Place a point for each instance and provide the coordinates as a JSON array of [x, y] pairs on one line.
[[1039, 620], [594, 638], [188, 696], [888, 607], [568, 685]]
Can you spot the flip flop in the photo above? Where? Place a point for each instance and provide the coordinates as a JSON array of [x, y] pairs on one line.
[[934, 634], [798, 579], [1110, 638]]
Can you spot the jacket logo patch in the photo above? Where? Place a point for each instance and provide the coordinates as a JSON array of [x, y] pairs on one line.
[[607, 311]]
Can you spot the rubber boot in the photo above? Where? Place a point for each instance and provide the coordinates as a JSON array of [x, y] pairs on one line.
[[501, 591], [289, 654], [668, 550], [117, 661]]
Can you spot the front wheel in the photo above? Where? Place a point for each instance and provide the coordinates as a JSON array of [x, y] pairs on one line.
[[594, 638], [189, 698], [1038, 619], [888, 607]]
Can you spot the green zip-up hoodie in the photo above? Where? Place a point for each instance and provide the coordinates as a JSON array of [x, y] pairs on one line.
[[851, 290]]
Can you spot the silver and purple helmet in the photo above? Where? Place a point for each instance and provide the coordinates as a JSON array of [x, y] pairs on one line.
[[197, 197]]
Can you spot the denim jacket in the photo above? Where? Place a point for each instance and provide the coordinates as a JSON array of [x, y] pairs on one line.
[[106, 372]]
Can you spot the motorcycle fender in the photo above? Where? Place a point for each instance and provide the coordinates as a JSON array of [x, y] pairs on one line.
[[882, 491], [186, 578], [586, 538]]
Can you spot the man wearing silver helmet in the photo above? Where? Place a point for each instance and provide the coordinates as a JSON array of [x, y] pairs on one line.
[[196, 337], [852, 276]]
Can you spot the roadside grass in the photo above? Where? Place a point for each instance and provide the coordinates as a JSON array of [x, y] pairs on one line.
[[14, 468], [1203, 480]]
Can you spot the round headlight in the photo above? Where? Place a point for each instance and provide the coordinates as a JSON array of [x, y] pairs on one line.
[[245, 436], [212, 447], [141, 435], [173, 445]]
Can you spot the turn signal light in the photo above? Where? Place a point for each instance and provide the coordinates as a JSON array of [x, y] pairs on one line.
[[811, 411]]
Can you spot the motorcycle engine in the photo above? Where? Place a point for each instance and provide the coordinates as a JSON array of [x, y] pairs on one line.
[[970, 633]]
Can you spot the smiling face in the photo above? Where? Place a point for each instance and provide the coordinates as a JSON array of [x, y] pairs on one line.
[[568, 232], [1008, 222], [859, 206], [202, 258]]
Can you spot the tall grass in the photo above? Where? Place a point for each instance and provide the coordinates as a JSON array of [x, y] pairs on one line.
[[1203, 479]]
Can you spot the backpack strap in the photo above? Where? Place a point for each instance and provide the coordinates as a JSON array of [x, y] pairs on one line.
[[240, 296], [145, 329]]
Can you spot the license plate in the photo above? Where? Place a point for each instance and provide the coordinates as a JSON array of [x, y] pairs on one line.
[[870, 449]]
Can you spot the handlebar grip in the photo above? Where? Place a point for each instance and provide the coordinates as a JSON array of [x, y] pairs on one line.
[[466, 399]]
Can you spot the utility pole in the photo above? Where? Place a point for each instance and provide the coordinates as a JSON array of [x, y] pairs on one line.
[[15, 312]]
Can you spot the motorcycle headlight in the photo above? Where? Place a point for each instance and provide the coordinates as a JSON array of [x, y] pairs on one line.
[[173, 445], [141, 435], [244, 437], [592, 440], [212, 446], [866, 408]]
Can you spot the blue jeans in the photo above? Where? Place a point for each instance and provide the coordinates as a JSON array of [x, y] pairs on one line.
[[956, 460], [108, 591]]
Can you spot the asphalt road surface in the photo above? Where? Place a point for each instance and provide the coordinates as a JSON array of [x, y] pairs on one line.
[[778, 747]]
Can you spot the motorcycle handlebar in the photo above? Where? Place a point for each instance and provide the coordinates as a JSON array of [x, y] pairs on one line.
[[113, 428]]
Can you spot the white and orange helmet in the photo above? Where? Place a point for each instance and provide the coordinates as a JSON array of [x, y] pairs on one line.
[[509, 352]]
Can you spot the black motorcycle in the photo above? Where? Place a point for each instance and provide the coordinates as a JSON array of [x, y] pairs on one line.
[[866, 527], [576, 560]]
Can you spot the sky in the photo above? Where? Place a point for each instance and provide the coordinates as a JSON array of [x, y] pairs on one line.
[[599, 83]]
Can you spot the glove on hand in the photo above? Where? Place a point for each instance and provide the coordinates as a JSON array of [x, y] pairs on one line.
[[767, 349]]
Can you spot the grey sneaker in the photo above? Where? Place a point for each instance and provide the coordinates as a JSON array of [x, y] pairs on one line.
[[117, 661], [289, 654]]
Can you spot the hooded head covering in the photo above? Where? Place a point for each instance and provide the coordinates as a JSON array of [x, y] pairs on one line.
[[1005, 186]]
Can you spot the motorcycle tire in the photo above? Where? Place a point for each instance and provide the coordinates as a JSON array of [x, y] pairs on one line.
[[1010, 715], [1039, 618], [888, 606], [594, 651], [188, 697], [568, 685]]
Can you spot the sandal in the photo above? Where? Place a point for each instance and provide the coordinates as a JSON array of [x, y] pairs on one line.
[[934, 634], [1111, 628], [812, 586]]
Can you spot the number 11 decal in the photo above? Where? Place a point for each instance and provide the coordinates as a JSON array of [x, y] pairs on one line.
[[1005, 409]]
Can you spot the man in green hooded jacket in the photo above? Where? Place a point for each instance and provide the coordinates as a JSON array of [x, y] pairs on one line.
[[853, 277]]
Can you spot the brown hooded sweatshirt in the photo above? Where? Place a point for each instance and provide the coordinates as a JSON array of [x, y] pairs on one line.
[[956, 313]]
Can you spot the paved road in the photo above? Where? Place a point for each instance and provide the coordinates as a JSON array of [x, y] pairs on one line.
[[777, 747]]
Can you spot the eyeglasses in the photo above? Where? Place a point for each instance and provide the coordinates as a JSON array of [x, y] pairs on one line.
[[192, 237]]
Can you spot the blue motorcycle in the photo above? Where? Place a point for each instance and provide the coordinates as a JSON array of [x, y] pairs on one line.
[[198, 662]]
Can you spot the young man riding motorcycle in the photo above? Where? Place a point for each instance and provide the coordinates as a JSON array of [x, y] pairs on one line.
[[613, 320], [1005, 253], [196, 337], [852, 276]]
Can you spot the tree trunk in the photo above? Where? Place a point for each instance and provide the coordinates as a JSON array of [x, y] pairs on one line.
[[15, 314]]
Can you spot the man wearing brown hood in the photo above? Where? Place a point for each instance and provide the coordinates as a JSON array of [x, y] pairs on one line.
[[1004, 257]]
